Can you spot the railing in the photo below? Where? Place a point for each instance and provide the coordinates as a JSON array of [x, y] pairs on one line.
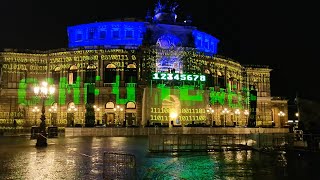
[[109, 84], [220, 142], [196, 142], [146, 131]]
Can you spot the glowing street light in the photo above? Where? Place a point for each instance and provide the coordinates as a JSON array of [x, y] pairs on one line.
[[225, 111], [117, 110], [43, 91], [281, 114], [211, 111], [297, 115], [97, 109], [246, 113], [237, 112]]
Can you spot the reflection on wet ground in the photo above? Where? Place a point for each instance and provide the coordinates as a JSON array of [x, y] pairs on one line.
[[82, 158]]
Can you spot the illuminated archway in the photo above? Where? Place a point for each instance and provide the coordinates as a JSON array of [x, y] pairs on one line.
[[72, 75]]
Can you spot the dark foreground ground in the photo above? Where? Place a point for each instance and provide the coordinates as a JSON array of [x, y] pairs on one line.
[[82, 158]]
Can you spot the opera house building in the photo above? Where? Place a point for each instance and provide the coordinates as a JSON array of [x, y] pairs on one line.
[[151, 72]]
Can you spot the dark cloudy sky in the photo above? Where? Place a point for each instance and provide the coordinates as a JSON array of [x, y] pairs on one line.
[[280, 34]]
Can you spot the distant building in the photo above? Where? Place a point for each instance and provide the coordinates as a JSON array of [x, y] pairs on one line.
[[153, 72]]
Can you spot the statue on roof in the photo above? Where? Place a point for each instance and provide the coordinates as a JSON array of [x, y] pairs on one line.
[[173, 6], [168, 7]]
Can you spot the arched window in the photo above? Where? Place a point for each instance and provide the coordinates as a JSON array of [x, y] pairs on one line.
[[130, 74], [53, 114], [109, 73], [209, 78], [21, 111], [131, 105], [109, 105], [56, 75], [71, 114], [54, 105], [221, 80], [111, 66], [235, 84], [131, 66], [72, 75], [71, 105], [90, 74]]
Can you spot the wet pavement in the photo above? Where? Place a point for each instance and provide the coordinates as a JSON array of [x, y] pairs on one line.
[[82, 158]]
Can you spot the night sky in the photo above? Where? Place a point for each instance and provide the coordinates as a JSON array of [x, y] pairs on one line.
[[274, 33]]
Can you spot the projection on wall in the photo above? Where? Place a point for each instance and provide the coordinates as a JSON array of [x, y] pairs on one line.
[[169, 56], [175, 106]]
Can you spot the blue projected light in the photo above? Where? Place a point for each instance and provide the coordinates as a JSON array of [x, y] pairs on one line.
[[168, 41], [205, 42], [106, 33], [131, 34], [172, 59]]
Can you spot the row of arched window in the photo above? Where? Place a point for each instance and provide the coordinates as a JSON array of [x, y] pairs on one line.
[[109, 74]]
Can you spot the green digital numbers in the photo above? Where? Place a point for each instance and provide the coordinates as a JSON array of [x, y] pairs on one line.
[[178, 77]]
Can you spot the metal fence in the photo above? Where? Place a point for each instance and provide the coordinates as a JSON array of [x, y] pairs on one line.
[[118, 166], [218, 142]]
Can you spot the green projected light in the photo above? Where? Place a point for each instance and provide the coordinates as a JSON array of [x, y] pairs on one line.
[[131, 92], [178, 77], [74, 90]]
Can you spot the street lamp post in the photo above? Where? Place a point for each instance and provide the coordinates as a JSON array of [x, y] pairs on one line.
[[281, 114], [211, 111], [297, 115], [237, 112], [43, 91], [225, 111], [35, 110], [117, 110]]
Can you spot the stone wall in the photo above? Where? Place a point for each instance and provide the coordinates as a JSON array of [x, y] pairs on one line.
[[73, 132]]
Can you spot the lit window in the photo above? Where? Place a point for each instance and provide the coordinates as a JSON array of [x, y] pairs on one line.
[[102, 34], [219, 73], [140, 35], [79, 37], [131, 105], [129, 34], [90, 75], [91, 35], [72, 75], [109, 105], [111, 66], [206, 44], [199, 40], [115, 34], [131, 66], [56, 74]]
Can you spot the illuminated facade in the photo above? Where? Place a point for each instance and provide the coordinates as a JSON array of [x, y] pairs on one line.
[[152, 72]]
